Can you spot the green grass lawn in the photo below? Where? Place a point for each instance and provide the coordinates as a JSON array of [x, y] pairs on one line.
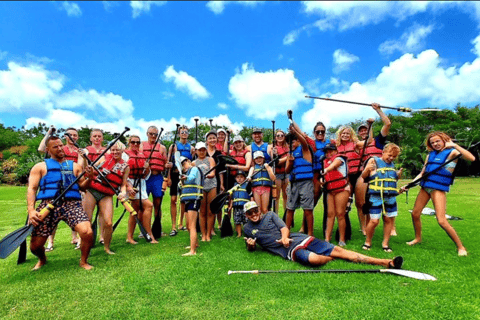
[[149, 281]]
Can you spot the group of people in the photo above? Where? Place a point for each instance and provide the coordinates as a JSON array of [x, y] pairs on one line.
[[295, 167]]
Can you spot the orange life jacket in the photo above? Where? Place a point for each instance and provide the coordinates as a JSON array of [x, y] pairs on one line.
[[71, 155], [136, 162], [93, 154], [282, 153], [336, 179], [353, 157], [158, 159], [240, 157], [113, 171]]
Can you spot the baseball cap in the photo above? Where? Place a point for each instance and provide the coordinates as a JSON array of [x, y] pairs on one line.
[[241, 172], [237, 138], [256, 129], [249, 206], [363, 125], [200, 145], [221, 130], [258, 154], [211, 132], [182, 158]]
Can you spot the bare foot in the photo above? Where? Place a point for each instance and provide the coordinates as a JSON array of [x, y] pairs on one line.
[[131, 241], [301, 230], [239, 235], [462, 252], [39, 264], [109, 251], [74, 241], [86, 266], [393, 233], [188, 247], [188, 254], [413, 242], [153, 241]]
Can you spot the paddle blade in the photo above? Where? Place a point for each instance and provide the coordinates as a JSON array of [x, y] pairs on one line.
[[178, 164], [13, 240], [226, 229], [157, 226], [227, 159], [218, 202], [410, 274], [22, 253], [142, 229]]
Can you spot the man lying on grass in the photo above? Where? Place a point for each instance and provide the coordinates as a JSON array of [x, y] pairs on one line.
[[272, 234]]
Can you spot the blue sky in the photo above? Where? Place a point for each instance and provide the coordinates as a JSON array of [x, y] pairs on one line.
[[115, 64]]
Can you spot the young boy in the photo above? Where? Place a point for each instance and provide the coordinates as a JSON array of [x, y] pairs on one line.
[[381, 176], [192, 194], [239, 197]]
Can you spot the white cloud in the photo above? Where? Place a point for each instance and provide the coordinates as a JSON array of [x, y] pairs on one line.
[[291, 37], [72, 9], [342, 60], [264, 95], [3, 54], [411, 40], [184, 81], [217, 7], [140, 7], [409, 79], [108, 5], [222, 105], [313, 86]]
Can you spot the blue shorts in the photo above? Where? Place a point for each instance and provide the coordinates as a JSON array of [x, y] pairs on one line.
[[192, 205], [154, 185], [317, 246], [377, 206]]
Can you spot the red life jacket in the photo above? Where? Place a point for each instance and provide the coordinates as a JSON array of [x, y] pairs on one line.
[[158, 159], [353, 157], [219, 147], [240, 157], [93, 154], [371, 151], [71, 155], [136, 162], [336, 179], [113, 171], [282, 153]]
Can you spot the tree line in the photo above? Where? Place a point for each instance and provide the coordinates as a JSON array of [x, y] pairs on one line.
[[19, 145]]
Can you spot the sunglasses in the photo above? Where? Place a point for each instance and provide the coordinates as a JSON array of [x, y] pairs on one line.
[[153, 134], [134, 142], [251, 212], [183, 132], [280, 135], [320, 132]]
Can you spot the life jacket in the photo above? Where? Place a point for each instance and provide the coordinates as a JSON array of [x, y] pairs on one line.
[[192, 189], [136, 162], [336, 179], [71, 155], [240, 157], [219, 147], [384, 181], [371, 151], [317, 156], [59, 176], [113, 171], [353, 157], [261, 178], [302, 169], [442, 179], [282, 153], [184, 150], [263, 148], [240, 196], [158, 159], [93, 154]]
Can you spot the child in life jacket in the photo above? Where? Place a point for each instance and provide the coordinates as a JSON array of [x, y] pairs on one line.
[[262, 182], [192, 194], [338, 188], [239, 197], [381, 176]]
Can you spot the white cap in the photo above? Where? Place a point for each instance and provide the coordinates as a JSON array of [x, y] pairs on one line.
[[258, 154], [249, 206], [200, 145], [182, 158], [237, 138], [221, 130]]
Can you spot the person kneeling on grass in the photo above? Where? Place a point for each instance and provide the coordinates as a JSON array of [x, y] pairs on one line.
[[381, 176], [272, 234], [192, 194]]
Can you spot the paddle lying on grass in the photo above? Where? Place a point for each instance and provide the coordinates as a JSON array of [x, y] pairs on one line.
[[398, 272], [14, 239]]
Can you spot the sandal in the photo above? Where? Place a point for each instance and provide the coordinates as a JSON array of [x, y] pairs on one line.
[[366, 247], [49, 248], [396, 263], [387, 249], [173, 233], [183, 228]]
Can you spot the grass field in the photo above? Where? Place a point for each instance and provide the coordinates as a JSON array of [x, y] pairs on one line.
[[149, 281]]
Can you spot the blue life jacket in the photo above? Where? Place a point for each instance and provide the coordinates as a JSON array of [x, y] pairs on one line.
[[263, 148], [240, 196], [184, 149], [384, 181], [442, 179], [59, 176], [317, 157], [192, 189], [261, 178], [302, 169]]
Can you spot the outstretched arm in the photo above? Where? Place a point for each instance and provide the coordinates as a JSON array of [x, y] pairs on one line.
[[386, 121]]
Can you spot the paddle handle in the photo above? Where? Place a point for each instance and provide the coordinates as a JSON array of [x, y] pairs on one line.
[[243, 271], [128, 206], [45, 211]]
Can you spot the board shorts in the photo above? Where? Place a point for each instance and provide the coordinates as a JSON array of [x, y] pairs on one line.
[[175, 180], [192, 205], [239, 216], [377, 206], [97, 195], [300, 195], [71, 211], [301, 253], [281, 176], [154, 185], [142, 186], [261, 190]]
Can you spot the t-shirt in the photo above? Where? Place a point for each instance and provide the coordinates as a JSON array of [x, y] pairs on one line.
[[267, 231], [380, 141]]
